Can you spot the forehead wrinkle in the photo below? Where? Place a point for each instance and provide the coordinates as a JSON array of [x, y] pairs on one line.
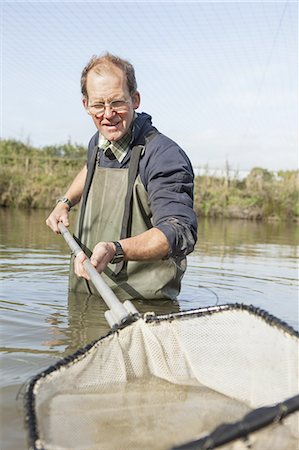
[[112, 92]]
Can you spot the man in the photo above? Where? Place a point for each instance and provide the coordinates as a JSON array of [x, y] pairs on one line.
[[136, 219]]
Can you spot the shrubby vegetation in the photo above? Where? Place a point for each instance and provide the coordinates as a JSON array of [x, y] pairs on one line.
[[34, 178], [262, 194]]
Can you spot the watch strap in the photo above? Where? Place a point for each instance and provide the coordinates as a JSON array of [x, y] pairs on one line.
[[119, 253], [66, 201]]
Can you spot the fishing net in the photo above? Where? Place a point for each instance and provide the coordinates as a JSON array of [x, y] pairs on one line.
[[224, 375]]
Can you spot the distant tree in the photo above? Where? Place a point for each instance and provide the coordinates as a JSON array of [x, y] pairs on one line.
[[258, 179]]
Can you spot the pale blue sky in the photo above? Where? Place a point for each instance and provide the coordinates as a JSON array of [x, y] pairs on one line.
[[220, 78]]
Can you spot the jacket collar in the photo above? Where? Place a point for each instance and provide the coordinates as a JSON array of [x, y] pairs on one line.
[[142, 122]]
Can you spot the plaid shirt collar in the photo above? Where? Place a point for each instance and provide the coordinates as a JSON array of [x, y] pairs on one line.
[[119, 148]]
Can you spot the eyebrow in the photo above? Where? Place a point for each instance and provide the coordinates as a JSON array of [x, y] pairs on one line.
[[110, 101]]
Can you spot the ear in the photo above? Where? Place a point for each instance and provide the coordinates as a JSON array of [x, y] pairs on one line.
[[136, 100], [85, 102]]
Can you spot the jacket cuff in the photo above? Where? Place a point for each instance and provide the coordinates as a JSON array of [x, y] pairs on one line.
[[179, 236]]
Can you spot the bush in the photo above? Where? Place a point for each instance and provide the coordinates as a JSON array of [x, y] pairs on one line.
[[262, 194]]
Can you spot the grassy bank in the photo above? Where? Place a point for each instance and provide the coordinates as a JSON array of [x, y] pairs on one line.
[[34, 178], [261, 195]]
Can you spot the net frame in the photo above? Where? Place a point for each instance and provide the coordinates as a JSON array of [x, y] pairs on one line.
[[256, 419]]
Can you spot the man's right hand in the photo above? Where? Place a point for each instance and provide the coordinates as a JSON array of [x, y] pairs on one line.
[[59, 214]]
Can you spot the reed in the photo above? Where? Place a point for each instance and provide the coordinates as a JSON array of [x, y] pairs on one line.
[[34, 177]]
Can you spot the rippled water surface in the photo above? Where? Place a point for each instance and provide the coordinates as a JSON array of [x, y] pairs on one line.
[[234, 261]]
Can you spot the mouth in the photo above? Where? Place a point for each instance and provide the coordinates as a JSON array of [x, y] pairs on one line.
[[110, 125]]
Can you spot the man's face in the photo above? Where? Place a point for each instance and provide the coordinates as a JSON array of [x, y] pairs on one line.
[[106, 88]]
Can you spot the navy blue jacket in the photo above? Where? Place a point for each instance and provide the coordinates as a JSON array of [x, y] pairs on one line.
[[168, 178]]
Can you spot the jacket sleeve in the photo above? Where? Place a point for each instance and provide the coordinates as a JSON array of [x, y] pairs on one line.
[[168, 177]]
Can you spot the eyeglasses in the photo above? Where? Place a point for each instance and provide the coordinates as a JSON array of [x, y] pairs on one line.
[[99, 108]]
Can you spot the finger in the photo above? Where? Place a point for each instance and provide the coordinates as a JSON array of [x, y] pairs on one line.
[[79, 269], [101, 265], [65, 220], [79, 266], [80, 257], [84, 274], [52, 223], [94, 261]]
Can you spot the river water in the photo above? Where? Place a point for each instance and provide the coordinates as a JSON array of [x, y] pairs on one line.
[[234, 261]]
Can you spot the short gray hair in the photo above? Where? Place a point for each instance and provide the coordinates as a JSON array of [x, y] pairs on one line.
[[104, 61]]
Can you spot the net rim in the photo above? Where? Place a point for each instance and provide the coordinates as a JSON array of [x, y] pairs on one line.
[[251, 422], [259, 312]]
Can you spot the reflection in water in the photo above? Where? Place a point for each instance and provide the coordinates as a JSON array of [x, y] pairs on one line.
[[229, 236], [87, 322], [234, 261], [246, 262]]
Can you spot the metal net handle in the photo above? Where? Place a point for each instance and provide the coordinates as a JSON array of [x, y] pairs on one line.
[[119, 312]]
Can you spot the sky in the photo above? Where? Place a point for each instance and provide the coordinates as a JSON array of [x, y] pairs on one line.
[[219, 78]]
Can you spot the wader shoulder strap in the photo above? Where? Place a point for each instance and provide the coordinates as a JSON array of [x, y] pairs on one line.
[[87, 185], [132, 175]]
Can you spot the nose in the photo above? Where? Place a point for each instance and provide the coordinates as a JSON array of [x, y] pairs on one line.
[[108, 112]]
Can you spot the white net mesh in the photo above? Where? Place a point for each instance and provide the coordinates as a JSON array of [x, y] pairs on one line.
[[155, 385]]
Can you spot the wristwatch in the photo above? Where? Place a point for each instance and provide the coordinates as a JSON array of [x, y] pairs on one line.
[[66, 201], [119, 253]]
